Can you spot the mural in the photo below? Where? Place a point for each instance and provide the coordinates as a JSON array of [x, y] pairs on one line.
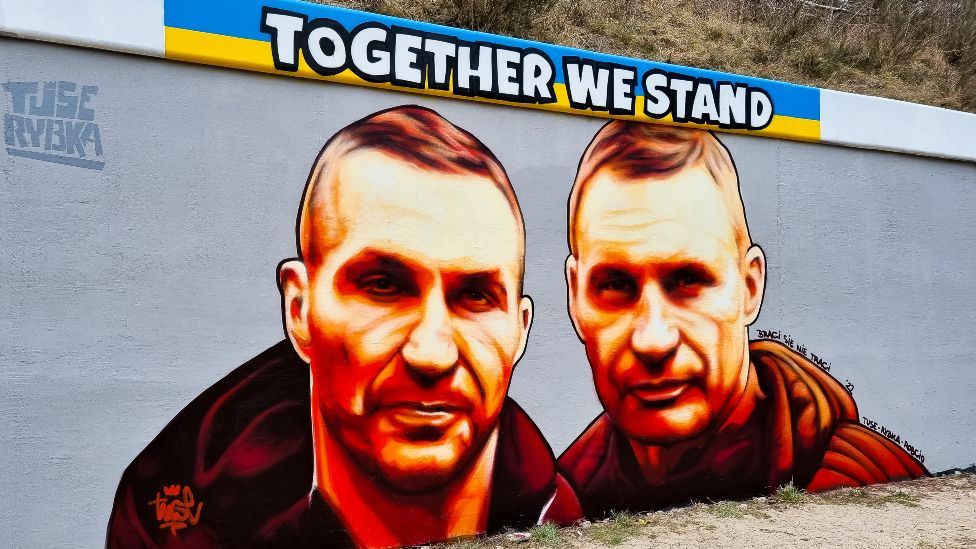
[[146, 239], [664, 281], [383, 420]]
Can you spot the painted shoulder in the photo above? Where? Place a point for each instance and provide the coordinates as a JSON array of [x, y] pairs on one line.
[[814, 424], [858, 456], [244, 439], [582, 460], [804, 385], [526, 488]]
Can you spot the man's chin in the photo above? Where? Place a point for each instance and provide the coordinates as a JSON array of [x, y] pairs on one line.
[[663, 427], [422, 468]]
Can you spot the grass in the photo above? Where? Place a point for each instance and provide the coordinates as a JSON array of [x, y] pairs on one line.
[[737, 509], [921, 51], [463, 543], [789, 494], [619, 528], [899, 497], [547, 534], [726, 509], [869, 498]]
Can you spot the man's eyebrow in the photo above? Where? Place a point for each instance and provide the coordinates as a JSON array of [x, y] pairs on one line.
[[618, 263], [610, 268], [492, 278], [478, 275], [370, 259], [485, 278]]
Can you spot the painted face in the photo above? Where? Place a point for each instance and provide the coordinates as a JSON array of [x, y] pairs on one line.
[[415, 317], [659, 296]]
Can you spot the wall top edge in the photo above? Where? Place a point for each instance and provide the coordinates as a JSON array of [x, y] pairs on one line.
[[273, 36]]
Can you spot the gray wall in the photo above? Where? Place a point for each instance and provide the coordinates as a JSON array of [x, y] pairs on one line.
[[125, 292]]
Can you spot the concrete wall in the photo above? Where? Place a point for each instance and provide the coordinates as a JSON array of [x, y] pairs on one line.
[[130, 289], [134, 276]]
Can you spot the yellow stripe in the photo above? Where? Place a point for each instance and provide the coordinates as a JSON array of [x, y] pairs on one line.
[[255, 55]]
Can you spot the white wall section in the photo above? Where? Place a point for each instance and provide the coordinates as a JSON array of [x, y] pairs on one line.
[[132, 26], [877, 123]]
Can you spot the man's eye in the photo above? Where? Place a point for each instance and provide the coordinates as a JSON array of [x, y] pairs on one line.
[[380, 285], [475, 295], [476, 300], [615, 290], [618, 285], [687, 281]]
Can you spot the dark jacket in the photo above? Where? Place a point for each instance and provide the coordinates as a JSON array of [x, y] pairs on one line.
[[803, 428], [244, 447]]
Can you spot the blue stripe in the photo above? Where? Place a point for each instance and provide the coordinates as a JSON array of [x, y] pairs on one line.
[[241, 19]]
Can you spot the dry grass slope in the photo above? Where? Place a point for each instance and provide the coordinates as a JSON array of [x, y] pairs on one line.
[[914, 50]]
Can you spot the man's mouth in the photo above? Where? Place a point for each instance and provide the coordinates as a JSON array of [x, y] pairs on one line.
[[423, 414], [661, 391]]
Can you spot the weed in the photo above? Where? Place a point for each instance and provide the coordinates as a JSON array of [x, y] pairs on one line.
[[726, 509], [737, 509], [868, 497], [848, 496], [547, 534], [789, 494], [899, 497], [617, 529], [464, 543]]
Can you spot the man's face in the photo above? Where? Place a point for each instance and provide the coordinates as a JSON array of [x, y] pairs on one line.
[[415, 318], [660, 295]]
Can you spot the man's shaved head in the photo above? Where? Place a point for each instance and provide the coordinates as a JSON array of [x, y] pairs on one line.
[[663, 279], [638, 151], [413, 134], [407, 301]]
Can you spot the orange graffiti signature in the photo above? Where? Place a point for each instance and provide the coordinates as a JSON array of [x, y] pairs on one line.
[[176, 513]]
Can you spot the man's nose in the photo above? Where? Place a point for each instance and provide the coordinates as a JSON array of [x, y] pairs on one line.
[[655, 334], [430, 350]]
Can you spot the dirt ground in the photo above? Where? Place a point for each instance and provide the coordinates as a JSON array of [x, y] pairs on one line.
[[928, 513]]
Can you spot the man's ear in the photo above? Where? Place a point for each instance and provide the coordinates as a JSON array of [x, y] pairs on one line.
[[754, 269], [526, 310], [293, 284], [571, 293]]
